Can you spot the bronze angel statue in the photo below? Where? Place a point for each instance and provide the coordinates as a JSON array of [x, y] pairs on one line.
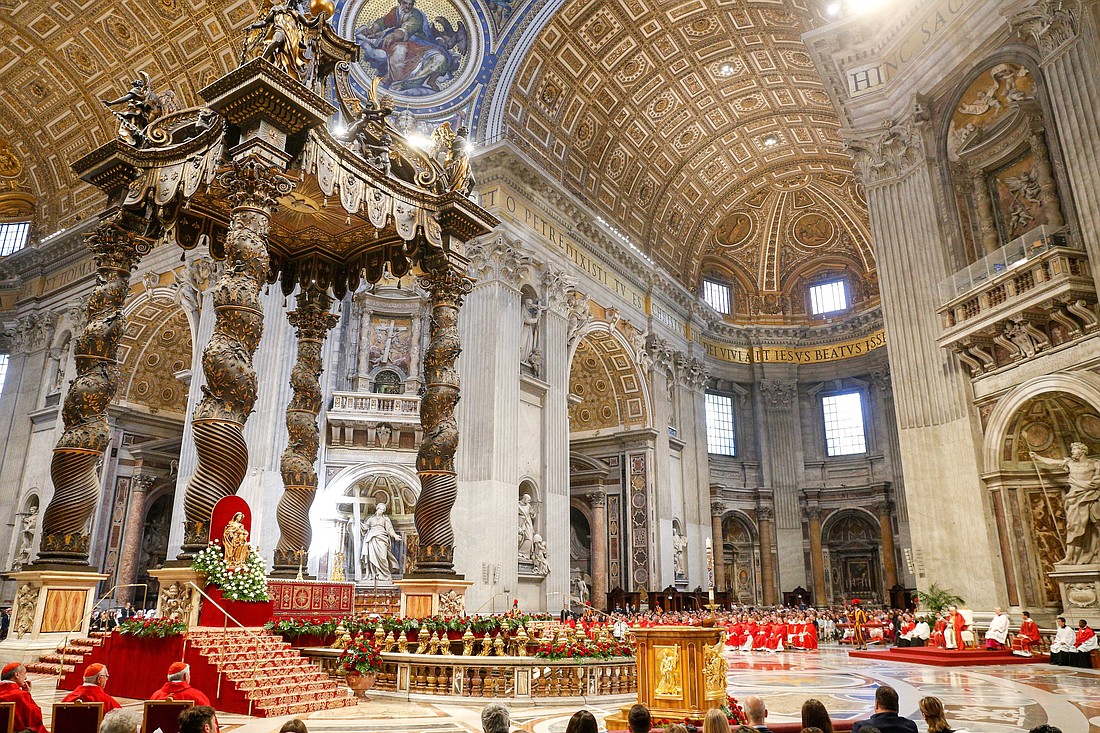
[[142, 107]]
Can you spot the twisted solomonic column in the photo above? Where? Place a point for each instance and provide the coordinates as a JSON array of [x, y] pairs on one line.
[[435, 460], [73, 469], [230, 389], [312, 322]]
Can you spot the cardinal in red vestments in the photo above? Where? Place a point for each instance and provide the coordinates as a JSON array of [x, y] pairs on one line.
[[95, 679], [179, 686], [14, 687], [958, 625], [1027, 637], [939, 631]]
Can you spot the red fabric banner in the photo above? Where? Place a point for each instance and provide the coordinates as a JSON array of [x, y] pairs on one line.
[[310, 598]]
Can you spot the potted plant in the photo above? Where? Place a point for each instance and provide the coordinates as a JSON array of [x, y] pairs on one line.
[[361, 662]]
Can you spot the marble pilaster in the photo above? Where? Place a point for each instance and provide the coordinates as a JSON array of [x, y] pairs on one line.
[[598, 501], [817, 558], [717, 510], [555, 450], [767, 558], [781, 448]]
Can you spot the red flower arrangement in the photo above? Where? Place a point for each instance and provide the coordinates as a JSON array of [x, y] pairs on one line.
[[361, 657], [583, 650], [732, 709], [152, 628]]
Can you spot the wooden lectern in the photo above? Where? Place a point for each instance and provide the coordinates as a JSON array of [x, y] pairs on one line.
[[681, 673]]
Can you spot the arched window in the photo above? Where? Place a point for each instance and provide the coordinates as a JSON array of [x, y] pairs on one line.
[[13, 236], [387, 381]]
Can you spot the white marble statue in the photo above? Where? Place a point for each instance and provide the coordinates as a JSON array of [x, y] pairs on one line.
[[528, 514], [532, 312], [1082, 503], [379, 564], [28, 523], [579, 590], [679, 547], [540, 556]]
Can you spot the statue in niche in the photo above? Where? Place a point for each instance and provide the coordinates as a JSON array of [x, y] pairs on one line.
[[58, 356], [27, 524], [379, 563], [580, 592], [679, 547], [528, 514], [532, 311], [534, 360], [540, 555], [235, 542], [1082, 503]]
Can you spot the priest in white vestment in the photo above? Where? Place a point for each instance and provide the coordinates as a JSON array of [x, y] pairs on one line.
[[921, 632], [997, 635]]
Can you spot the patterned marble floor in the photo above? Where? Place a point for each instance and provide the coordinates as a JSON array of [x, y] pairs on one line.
[[1006, 699]]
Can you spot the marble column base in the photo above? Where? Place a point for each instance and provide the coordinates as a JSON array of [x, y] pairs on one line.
[[1080, 589], [61, 610], [424, 597], [176, 597]]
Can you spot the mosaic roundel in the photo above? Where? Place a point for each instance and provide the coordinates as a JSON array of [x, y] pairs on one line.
[[422, 51], [813, 230], [734, 229]]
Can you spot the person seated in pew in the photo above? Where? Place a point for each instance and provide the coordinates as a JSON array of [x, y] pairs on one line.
[[921, 632], [16, 688], [1086, 644], [179, 686], [95, 679]]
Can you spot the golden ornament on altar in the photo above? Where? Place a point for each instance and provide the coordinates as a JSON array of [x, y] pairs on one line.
[[316, 7], [388, 644], [468, 643], [422, 640], [403, 643]]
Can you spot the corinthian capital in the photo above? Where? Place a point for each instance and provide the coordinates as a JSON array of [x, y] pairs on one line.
[[495, 258], [32, 332], [884, 154], [557, 285], [1052, 25], [778, 393]]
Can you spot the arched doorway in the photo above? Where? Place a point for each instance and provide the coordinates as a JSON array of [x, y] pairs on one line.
[[852, 548], [153, 550], [580, 558], [1045, 417], [740, 557]]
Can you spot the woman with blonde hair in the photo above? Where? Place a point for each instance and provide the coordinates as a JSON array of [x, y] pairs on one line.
[[716, 722], [932, 710]]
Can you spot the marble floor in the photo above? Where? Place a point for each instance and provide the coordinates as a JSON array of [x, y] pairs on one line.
[[978, 699]]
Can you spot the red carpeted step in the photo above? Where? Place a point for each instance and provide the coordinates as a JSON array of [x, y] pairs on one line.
[[947, 657]]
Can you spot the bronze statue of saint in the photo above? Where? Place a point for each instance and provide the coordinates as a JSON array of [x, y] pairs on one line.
[[235, 542]]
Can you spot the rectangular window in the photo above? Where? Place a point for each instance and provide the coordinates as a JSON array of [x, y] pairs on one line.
[[844, 424], [717, 296], [3, 370], [720, 434], [829, 297], [13, 237]]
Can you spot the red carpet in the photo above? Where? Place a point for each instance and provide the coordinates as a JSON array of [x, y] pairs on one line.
[[947, 657]]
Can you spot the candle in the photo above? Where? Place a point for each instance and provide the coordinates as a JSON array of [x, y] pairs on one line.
[[710, 571]]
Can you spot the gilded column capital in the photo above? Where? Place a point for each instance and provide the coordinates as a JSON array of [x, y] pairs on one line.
[[1051, 25]]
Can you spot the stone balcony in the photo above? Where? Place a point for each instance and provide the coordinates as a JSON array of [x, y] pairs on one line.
[[373, 420], [1032, 295]]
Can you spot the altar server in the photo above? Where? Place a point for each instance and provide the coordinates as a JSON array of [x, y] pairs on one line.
[[1027, 638], [1063, 650]]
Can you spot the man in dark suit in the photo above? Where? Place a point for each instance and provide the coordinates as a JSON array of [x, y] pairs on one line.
[[886, 718], [756, 712]]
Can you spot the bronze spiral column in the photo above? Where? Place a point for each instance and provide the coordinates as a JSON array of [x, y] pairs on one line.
[[73, 469], [230, 389], [312, 322], [435, 459]]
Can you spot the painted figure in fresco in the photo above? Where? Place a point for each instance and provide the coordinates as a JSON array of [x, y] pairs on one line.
[[411, 54], [378, 560], [1082, 503], [235, 542]]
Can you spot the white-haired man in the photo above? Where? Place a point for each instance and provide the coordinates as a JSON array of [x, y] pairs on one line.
[[495, 718], [122, 721], [179, 686], [997, 635], [95, 679]]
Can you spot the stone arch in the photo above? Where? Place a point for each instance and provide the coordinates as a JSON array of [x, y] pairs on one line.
[[156, 345], [1045, 414], [739, 561], [852, 545], [612, 391], [347, 498]]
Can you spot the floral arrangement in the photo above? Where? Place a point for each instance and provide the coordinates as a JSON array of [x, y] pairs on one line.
[[361, 657], [247, 583], [295, 627], [732, 709], [152, 627], [587, 649], [442, 624]]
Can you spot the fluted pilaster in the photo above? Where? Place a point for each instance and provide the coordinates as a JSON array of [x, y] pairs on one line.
[[782, 451]]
